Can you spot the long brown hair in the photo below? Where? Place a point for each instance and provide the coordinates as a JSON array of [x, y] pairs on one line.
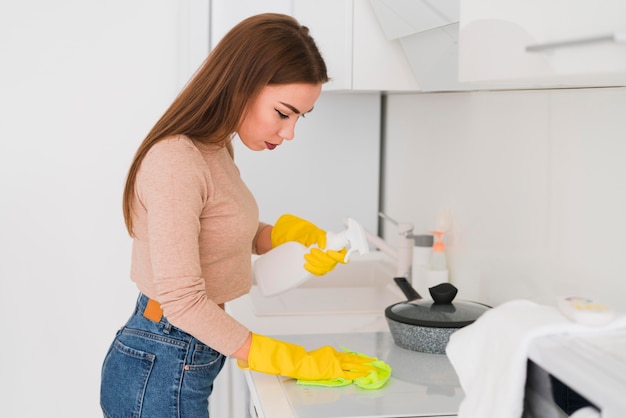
[[261, 50]]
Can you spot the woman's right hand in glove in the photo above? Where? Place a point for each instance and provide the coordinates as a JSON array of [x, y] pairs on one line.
[[271, 356], [319, 261]]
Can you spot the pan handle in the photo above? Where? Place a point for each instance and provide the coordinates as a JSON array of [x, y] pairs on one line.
[[406, 288]]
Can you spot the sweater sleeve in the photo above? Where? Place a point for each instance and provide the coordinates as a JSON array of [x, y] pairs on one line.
[[173, 187]]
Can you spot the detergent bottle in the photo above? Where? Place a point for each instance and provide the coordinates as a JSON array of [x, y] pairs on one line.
[[438, 269], [282, 268]]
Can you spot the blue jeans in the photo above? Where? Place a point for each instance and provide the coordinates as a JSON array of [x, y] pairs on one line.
[[154, 370]]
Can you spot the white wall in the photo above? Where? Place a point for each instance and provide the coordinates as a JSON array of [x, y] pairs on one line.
[[534, 182], [81, 83], [328, 172]]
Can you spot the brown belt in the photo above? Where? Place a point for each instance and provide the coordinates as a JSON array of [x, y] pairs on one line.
[[153, 311]]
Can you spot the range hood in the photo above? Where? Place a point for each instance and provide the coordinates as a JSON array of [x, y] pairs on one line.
[[428, 31]]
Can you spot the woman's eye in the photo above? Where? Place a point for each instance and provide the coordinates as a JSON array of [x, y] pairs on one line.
[[281, 114]]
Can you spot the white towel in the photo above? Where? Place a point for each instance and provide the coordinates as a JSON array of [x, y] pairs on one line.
[[490, 355]]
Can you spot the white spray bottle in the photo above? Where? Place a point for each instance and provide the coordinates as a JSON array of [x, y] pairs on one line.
[[282, 268]]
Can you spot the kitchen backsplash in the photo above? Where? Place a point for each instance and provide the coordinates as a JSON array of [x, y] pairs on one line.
[[534, 183]]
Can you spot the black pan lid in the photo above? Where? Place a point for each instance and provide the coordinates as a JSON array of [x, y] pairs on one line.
[[426, 313]]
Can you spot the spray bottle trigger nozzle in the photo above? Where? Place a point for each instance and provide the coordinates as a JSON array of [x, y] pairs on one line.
[[355, 235], [349, 253], [352, 238]]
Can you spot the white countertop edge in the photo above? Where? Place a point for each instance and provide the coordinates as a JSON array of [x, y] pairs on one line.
[[266, 387]]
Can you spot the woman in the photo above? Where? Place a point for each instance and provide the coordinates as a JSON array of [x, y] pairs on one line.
[[194, 225]]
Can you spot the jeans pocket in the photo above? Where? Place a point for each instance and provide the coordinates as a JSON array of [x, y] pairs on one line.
[[121, 393], [204, 357], [198, 378]]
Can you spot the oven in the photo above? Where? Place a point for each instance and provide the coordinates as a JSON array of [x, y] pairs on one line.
[[577, 376], [545, 396]]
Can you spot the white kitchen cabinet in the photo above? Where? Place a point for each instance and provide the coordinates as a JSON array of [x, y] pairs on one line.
[[428, 33], [227, 13], [358, 55], [534, 43], [400, 18]]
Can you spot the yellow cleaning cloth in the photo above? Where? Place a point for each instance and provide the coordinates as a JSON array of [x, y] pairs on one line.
[[374, 380]]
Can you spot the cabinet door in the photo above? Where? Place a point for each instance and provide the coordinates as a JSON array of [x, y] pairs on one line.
[[330, 23], [356, 51], [227, 13], [378, 63], [543, 44]]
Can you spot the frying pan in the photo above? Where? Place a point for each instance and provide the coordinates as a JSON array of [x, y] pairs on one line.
[[426, 325]]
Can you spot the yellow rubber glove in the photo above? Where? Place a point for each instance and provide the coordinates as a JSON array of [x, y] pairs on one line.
[[292, 228], [321, 262], [271, 356]]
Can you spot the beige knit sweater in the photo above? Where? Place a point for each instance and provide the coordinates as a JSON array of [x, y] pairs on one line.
[[195, 222]]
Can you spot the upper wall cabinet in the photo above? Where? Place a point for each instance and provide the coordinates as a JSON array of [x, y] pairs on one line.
[[538, 43], [428, 33], [369, 45], [357, 54], [227, 13], [356, 51]]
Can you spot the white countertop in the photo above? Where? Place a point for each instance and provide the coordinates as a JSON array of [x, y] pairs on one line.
[[421, 385]]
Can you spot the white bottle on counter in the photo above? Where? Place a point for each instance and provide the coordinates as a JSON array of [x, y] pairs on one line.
[[420, 265], [282, 268], [438, 268]]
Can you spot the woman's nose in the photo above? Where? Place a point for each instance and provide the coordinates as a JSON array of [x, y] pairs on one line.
[[287, 131]]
